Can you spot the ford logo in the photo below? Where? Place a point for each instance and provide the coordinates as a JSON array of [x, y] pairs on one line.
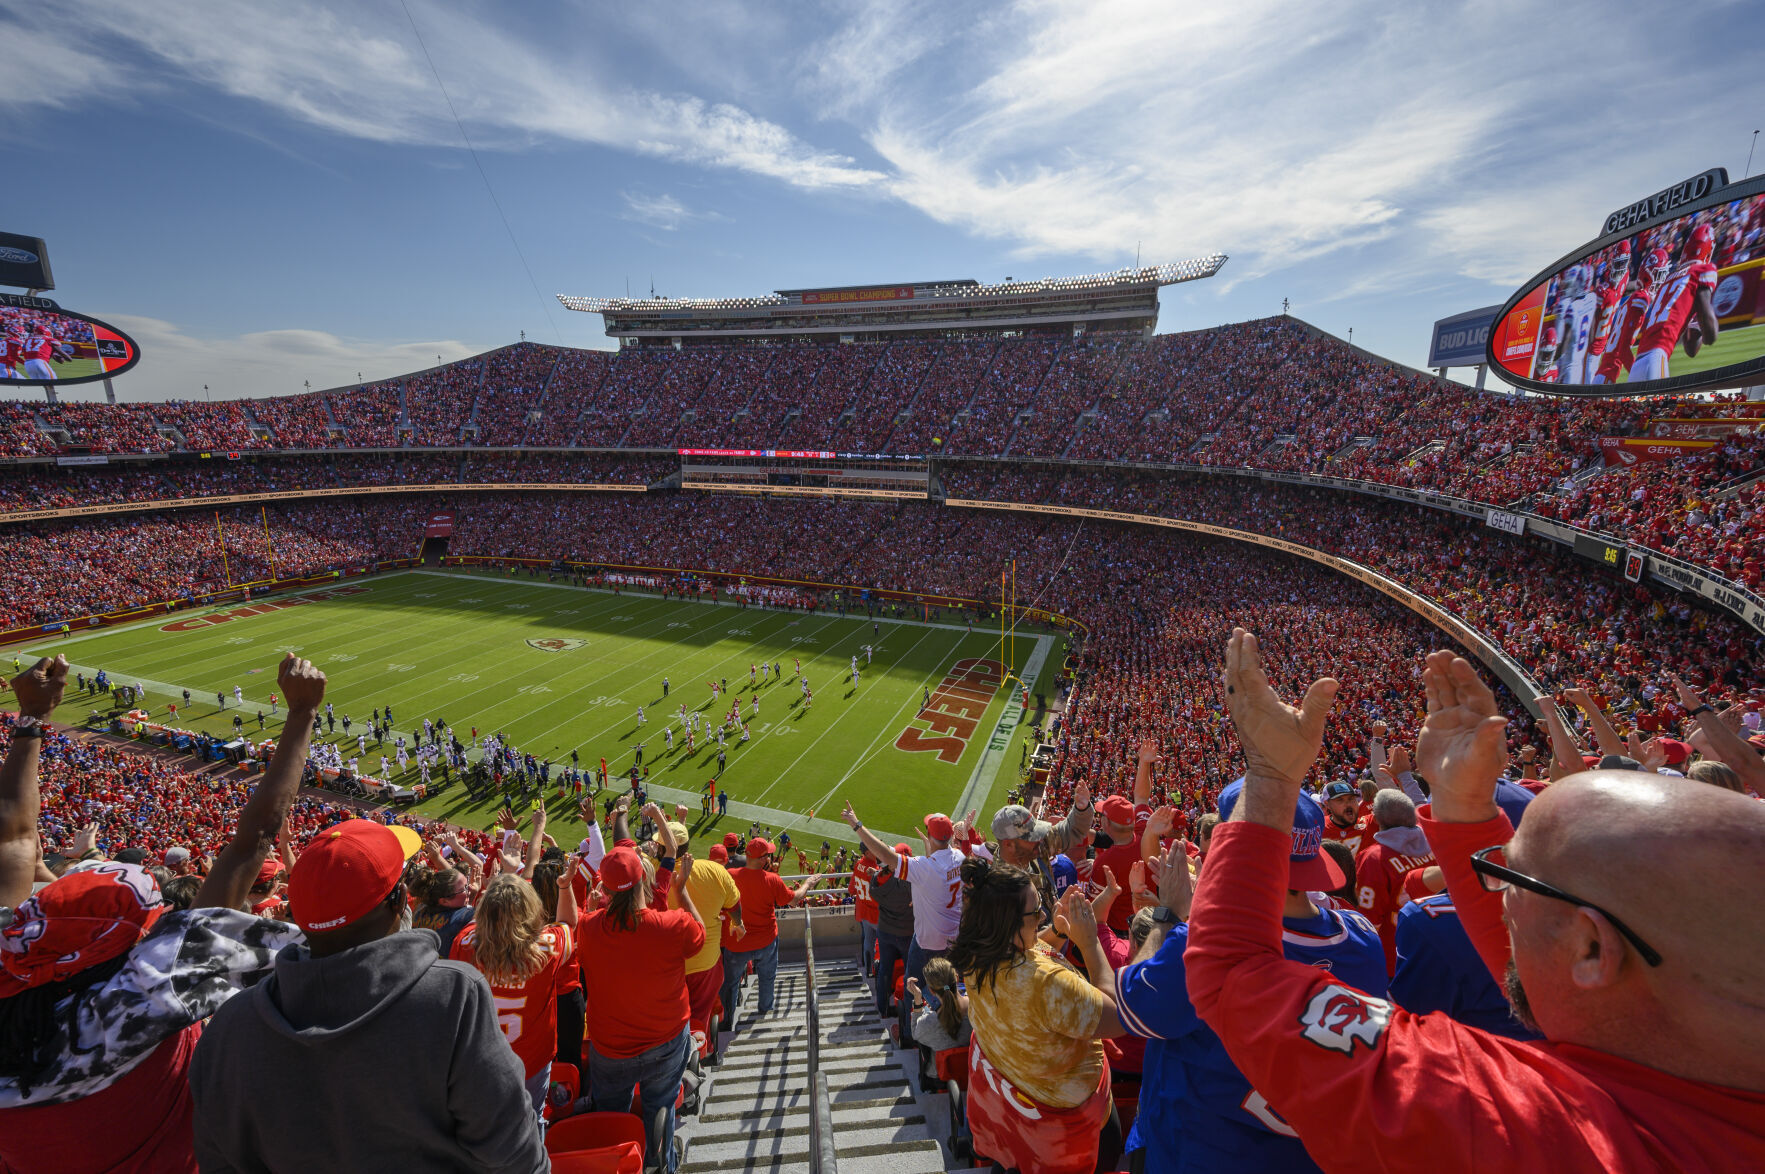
[[12, 256]]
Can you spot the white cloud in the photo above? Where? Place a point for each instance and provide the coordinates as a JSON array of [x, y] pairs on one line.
[[661, 210], [175, 365], [359, 72]]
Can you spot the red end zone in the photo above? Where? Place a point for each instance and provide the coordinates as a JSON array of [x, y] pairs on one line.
[[258, 609], [955, 709]]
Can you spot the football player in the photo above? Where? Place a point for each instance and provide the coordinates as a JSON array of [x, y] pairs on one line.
[[1575, 314], [1631, 312], [1683, 300]]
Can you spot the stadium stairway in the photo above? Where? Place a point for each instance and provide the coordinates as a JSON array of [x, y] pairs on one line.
[[756, 1103]]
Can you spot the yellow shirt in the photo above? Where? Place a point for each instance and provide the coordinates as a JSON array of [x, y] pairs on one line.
[[1036, 1024], [713, 890]]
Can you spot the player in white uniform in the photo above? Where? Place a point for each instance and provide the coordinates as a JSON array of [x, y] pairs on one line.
[[1575, 313]]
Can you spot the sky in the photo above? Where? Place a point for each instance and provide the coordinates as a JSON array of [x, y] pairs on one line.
[[268, 196]]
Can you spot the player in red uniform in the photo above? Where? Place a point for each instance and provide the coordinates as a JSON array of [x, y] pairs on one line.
[[1688, 289], [1632, 310], [1545, 369]]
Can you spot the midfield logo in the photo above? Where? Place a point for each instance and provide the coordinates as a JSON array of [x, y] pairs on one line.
[[556, 643]]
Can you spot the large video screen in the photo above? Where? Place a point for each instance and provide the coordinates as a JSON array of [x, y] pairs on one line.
[[1676, 306], [58, 346]]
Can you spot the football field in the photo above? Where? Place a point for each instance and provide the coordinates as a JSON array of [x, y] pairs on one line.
[[558, 668]]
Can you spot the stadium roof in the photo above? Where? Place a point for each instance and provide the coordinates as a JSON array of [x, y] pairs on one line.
[[1143, 277]]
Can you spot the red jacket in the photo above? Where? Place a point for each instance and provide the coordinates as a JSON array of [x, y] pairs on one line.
[[1371, 1087]]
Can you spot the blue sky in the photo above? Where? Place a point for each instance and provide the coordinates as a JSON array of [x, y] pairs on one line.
[[269, 194]]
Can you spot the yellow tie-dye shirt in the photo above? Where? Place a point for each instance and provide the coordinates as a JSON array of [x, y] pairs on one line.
[[1036, 1024]]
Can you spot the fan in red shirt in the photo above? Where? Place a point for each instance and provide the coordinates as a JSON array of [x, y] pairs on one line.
[[527, 962], [1397, 849], [1344, 821], [864, 871], [1124, 822], [1654, 1050], [634, 956]]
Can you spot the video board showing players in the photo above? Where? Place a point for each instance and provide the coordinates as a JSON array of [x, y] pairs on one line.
[[58, 346], [1685, 297]]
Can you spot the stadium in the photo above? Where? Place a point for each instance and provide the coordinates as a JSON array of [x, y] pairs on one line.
[[888, 561]]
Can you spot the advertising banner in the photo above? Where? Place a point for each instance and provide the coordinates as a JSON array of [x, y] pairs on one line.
[[1463, 339], [1506, 522], [441, 525], [1629, 450]]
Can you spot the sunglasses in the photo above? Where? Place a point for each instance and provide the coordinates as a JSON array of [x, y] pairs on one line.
[[1496, 876]]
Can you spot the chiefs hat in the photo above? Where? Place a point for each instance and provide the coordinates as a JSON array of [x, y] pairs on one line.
[[732, 841], [1677, 752], [1117, 809], [758, 847], [347, 871], [719, 854], [1309, 868], [268, 871], [621, 869], [939, 827]]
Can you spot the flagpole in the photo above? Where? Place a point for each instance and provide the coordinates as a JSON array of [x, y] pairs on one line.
[[221, 538], [267, 544]]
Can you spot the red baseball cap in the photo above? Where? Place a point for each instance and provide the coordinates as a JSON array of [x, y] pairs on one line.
[[1677, 751], [903, 850], [272, 865], [732, 840], [1117, 809], [760, 847], [621, 869], [347, 871], [939, 827], [719, 854]]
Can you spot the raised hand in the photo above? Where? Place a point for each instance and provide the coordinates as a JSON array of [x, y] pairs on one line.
[[1280, 742], [505, 817], [1149, 752], [1176, 888], [1460, 750], [39, 687], [1081, 794], [1162, 821], [850, 816], [1074, 918], [1399, 762], [302, 686]]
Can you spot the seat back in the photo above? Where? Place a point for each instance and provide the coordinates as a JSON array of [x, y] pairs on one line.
[[587, 1131], [952, 1064]]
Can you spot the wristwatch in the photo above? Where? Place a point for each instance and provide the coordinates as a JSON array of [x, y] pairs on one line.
[[1163, 915], [1698, 710], [27, 726]]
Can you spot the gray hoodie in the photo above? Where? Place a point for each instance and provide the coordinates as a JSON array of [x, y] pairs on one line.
[[383, 1057]]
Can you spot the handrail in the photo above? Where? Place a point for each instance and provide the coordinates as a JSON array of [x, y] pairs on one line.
[[822, 1158]]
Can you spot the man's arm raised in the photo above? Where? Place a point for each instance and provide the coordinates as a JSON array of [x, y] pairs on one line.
[[38, 690], [229, 881]]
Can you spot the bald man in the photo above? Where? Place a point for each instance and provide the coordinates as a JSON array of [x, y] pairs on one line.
[[1648, 983]]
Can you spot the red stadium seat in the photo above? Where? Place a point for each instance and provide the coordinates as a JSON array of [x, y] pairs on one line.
[[597, 1143], [566, 1086]]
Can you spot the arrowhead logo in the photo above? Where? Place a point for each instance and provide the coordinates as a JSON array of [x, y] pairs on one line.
[[556, 643]]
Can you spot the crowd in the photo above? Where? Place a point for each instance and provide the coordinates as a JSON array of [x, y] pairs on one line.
[[1270, 394], [1255, 922], [61, 571]]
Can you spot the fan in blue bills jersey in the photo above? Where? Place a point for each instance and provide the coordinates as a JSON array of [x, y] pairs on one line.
[[1197, 1111]]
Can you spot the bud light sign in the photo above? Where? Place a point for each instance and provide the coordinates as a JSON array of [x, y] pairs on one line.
[[1462, 340]]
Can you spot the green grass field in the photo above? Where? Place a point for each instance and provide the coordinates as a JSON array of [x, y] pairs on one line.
[[1735, 345], [456, 647]]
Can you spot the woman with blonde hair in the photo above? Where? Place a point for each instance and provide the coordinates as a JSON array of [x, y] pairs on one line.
[[942, 1022], [526, 959]]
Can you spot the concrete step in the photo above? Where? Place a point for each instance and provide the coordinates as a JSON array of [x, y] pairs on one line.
[[854, 1103], [886, 1114], [794, 1096], [831, 1061], [890, 1076], [788, 1146]]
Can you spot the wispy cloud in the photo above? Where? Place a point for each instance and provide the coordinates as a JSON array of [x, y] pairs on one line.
[[661, 210], [359, 72]]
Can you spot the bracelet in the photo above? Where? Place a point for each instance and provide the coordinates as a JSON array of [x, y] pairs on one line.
[[1706, 708]]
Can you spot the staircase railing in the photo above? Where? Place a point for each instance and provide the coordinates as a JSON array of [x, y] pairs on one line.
[[822, 1159]]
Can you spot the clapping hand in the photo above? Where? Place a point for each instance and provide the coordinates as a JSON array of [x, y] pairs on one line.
[[1460, 750], [1280, 742], [1074, 919]]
